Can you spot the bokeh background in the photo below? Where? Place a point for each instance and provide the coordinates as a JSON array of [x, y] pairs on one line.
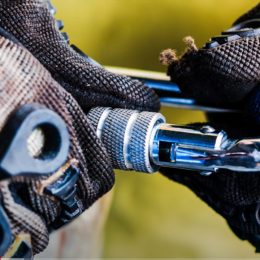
[[151, 216]]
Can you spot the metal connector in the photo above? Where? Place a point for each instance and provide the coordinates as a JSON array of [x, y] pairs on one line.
[[142, 141]]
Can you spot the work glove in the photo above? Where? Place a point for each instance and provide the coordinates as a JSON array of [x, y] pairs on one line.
[[226, 71], [31, 22], [28, 24], [24, 80]]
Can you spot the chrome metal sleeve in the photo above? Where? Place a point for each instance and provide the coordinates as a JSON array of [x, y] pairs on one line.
[[98, 116], [140, 141], [187, 147], [115, 135], [126, 135]]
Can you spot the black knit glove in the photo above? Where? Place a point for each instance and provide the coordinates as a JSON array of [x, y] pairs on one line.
[[29, 22], [226, 71]]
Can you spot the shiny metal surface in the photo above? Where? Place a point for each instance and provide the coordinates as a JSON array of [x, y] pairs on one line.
[[185, 146], [126, 135], [194, 149], [142, 141]]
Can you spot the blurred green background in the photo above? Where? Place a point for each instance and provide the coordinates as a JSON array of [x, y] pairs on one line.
[[151, 216]]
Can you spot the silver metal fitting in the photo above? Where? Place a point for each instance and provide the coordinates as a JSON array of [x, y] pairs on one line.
[[126, 135], [142, 141]]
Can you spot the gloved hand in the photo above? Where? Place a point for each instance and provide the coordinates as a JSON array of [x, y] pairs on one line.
[[226, 71], [33, 25], [24, 80]]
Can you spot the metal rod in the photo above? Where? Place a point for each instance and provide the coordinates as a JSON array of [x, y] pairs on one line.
[[169, 93]]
